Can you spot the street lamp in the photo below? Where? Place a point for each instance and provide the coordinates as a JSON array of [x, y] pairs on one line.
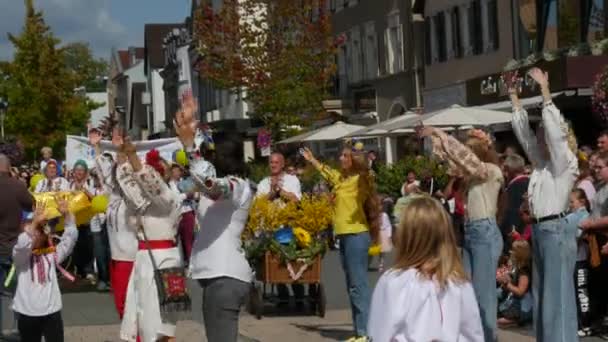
[[3, 109]]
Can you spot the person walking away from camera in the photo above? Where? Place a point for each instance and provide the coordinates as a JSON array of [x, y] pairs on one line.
[[38, 298], [14, 199], [426, 294], [218, 261], [477, 162], [282, 186], [555, 165], [356, 224]]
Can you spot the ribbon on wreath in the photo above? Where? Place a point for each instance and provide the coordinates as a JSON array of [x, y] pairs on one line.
[[295, 276]]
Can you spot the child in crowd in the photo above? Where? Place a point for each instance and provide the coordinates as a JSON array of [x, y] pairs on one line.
[[38, 299], [425, 296], [47, 154], [514, 297], [386, 232], [579, 210], [526, 219]]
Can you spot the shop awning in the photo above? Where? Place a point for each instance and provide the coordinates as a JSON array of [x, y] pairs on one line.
[[505, 106]]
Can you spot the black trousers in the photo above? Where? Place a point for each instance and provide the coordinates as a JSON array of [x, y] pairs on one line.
[[83, 251], [32, 329], [581, 284]]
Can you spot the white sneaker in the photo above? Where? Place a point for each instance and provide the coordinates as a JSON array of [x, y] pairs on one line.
[[584, 332]]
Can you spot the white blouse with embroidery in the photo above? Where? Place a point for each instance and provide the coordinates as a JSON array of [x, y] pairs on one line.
[[409, 308]]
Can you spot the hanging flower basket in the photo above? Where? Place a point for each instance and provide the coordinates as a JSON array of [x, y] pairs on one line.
[[599, 99]]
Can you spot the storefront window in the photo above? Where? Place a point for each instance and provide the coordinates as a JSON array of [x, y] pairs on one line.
[[569, 32], [528, 29], [595, 19]]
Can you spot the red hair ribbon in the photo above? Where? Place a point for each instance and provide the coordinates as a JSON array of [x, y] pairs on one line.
[[153, 159]]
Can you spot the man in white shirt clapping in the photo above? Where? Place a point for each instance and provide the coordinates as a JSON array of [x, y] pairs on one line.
[[281, 185]]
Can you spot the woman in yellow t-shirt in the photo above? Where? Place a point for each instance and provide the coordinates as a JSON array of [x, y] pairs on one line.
[[356, 224]]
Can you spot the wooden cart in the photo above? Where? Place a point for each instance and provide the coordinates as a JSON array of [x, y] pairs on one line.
[[272, 272]]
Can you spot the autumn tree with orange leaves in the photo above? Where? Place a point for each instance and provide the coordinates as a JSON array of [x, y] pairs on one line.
[[280, 52]]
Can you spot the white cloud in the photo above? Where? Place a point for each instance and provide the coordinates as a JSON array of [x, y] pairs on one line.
[[70, 20]]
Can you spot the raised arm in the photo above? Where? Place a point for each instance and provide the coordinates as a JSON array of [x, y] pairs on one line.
[[521, 123], [68, 239], [556, 129], [331, 175], [460, 159]]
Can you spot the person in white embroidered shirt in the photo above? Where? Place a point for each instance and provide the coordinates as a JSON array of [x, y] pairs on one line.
[[425, 296], [280, 185], [158, 212], [119, 217], [218, 261], [52, 182], [38, 299], [554, 246]]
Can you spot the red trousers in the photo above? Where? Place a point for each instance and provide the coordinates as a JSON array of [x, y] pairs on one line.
[[186, 233], [120, 272]]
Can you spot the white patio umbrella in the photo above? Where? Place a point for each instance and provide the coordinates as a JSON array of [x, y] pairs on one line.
[[334, 131], [379, 129], [457, 117]]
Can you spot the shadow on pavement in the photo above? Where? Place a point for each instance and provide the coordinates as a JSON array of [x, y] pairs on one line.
[[335, 332]]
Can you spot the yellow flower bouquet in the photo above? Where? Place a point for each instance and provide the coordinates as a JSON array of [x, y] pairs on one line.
[[293, 230]]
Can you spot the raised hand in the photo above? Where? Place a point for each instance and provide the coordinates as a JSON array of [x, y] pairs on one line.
[[94, 136], [307, 154], [63, 206], [185, 122], [541, 77], [128, 147], [117, 137]]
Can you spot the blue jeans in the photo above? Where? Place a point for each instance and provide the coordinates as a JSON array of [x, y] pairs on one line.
[[553, 261], [353, 256], [480, 252]]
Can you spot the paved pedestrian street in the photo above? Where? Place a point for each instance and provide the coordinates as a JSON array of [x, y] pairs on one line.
[[90, 316]]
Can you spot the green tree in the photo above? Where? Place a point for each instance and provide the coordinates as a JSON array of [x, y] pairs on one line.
[[280, 52], [40, 88], [86, 69]]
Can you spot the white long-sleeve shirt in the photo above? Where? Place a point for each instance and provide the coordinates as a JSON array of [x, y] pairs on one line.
[[287, 182], [217, 250], [57, 184], [409, 308], [119, 217], [552, 179], [40, 298]]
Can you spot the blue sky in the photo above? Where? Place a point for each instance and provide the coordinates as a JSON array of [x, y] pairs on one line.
[[102, 23]]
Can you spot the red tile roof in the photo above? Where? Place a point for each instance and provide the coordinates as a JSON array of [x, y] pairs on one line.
[[124, 59]]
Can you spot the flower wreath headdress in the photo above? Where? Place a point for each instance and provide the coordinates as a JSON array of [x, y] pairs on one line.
[[481, 135]]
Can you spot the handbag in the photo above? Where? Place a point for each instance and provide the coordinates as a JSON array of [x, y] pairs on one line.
[[171, 285]]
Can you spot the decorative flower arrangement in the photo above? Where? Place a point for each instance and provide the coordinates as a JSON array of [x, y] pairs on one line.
[[293, 231], [599, 99]]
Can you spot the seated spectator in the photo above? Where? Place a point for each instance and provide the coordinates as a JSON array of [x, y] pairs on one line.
[[515, 297]]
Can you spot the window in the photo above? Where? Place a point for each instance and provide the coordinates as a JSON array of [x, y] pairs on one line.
[[492, 16], [394, 43], [439, 23], [475, 29], [339, 5], [356, 55], [596, 22], [343, 69], [370, 52], [457, 46], [428, 50]]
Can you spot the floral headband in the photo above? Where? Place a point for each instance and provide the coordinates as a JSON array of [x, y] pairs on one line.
[[481, 135], [355, 145]]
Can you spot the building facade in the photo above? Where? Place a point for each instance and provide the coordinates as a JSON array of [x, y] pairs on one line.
[[469, 44], [379, 62]]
